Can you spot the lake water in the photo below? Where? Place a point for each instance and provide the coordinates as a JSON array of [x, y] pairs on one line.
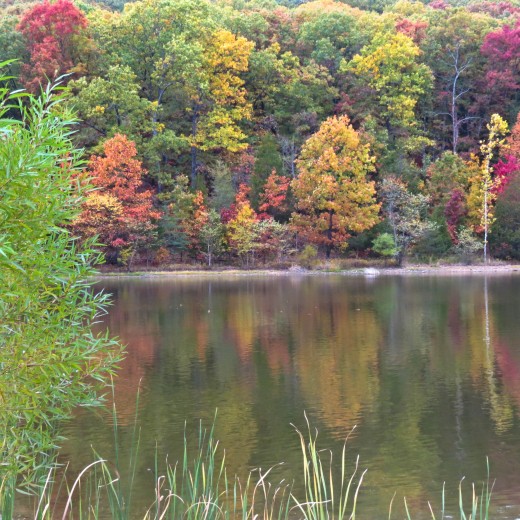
[[427, 370]]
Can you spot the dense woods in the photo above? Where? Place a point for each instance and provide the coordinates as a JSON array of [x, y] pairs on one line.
[[255, 131]]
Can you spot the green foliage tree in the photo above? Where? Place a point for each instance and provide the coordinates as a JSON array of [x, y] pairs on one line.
[[406, 213], [212, 236], [50, 359], [267, 159], [384, 245]]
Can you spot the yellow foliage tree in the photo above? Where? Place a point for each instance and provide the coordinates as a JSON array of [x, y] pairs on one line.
[[483, 189], [333, 194]]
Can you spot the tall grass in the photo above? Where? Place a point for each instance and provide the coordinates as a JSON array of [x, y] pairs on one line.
[[198, 487], [325, 495]]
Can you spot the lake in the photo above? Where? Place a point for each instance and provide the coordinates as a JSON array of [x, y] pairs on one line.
[[422, 371]]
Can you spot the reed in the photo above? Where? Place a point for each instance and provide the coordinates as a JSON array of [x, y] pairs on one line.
[[325, 496], [198, 487]]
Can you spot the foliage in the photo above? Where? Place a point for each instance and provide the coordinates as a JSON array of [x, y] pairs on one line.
[[223, 93], [468, 245], [454, 210], [406, 214], [51, 359], [484, 186], [120, 212], [268, 159], [334, 197], [274, 200], [505, 239], [212, 235], [52, 33], [384, 245], [308, 256], [390, 68], [243, 231]]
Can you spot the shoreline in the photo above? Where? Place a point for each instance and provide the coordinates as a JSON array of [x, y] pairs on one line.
[[408, 270]]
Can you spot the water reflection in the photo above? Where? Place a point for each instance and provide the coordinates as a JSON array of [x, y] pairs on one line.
[[427, 368]]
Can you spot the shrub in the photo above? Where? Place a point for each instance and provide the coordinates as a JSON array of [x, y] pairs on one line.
[[50, 359]]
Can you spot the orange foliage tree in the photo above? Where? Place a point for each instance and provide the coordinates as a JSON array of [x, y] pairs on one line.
[[242, 228], [274, 197], [334, 197], [120, 211]]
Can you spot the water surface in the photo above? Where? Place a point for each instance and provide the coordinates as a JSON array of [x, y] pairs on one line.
[[427, 370]]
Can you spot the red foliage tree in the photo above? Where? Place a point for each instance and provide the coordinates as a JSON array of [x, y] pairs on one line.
[[454, 211], [502, 77], [504, 172], [51, 32]]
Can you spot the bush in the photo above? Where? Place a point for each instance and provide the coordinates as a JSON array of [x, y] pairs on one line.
[[468, 247], [50, 359], [308, 257], [384, 245]]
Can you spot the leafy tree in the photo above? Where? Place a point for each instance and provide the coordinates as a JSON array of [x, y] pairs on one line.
[[483, 191], [455, 210], [54, 35], [502, 76], [51, 359], [406, 213], [178, 202], [329, 37], [267, 159], [14, 51], [389, 66], [468, 245], [163, 43], [384, 245], [212, 236], [195, 223], [242, 229], [274, 200], [333, 196], [110, 104], [448, 173], [452, 51], [505, 239], [121, 210], [217, 110], [513, 141]]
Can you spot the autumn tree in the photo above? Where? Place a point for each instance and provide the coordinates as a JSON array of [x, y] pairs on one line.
[[54, 34], [120, 211], [219, 102], [502, 71], [389, 66], [274, 199], [452, 50], [178, 203], [334, 197], [242, 229], [513, 141], [483, 191]]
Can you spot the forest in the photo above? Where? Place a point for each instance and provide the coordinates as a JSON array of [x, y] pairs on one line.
[[256, 132]]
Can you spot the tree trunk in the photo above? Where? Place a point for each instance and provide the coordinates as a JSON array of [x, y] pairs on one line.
[[194, 124], [328, 249]]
